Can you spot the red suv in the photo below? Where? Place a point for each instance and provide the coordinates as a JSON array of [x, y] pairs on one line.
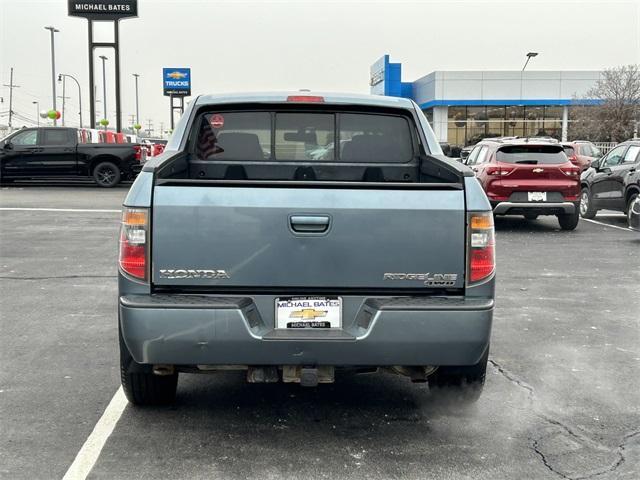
[[528, 176], [581, 153]]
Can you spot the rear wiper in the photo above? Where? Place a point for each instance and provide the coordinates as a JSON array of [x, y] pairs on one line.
[[529, 162]]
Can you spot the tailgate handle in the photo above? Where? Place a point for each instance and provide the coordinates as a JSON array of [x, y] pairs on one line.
[[309, 223]]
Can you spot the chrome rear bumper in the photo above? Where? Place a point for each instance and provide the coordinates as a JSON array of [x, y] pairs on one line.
[[515, 208]]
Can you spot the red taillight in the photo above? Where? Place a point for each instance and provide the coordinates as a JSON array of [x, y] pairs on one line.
[[138, 152], [305, 98], [482, 263], [481, 246], [499, 171], [133, 242], [570, 171]]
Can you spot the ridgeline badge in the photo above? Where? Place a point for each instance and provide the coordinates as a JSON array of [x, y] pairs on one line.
[[434, 280]]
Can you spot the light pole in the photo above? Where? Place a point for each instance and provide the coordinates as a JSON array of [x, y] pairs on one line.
[[104, 86], [530, 55], [37, 104], [79, 92], [53, 67], [136, 75]]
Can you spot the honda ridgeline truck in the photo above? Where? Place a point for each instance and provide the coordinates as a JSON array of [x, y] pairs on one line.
[[292, 235]]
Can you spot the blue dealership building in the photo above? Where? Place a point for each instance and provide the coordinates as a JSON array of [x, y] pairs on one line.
[[465, 106]]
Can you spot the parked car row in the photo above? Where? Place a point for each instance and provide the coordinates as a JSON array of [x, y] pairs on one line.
[[540, 176]]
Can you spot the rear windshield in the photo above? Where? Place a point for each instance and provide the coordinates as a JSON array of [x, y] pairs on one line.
[[531, 154], [304, 137], [569, 151]]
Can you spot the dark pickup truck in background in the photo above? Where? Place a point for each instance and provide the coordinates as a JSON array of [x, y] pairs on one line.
[[56, 152]]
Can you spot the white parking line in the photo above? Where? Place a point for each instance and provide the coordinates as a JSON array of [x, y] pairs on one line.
[[90, 451], [24, 209], [606, 224]]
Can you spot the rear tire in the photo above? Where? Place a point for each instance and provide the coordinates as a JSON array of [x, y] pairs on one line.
[[106, 174], [569, 221], [629, 203], [465, 383], [531, 216], [140, 385], [586, 204]]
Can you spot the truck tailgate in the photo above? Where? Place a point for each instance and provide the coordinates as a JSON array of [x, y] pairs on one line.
[[321, 237]]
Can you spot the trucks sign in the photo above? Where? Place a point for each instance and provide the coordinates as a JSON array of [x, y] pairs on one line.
[[176, 81], [103, 9]]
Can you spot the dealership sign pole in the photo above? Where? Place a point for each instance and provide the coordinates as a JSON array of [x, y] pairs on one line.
[[104, 11], [176, 83]]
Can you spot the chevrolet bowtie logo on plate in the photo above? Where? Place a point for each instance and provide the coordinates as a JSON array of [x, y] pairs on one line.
[[538, 170], [176, 75], [308, 313]]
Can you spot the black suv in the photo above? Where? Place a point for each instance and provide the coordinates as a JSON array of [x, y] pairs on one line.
[[612, 182]]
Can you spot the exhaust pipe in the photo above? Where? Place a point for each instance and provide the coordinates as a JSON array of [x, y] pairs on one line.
[[163, 370]]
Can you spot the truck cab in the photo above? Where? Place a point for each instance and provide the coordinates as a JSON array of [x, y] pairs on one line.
[[40, 151]]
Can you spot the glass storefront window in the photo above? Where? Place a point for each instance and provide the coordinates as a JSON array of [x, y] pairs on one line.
[[496, 123], [476, 124], [514, 123], [468, 125], [534, 121], [457, 125], [553, 112], [553, 121], [456, 135]]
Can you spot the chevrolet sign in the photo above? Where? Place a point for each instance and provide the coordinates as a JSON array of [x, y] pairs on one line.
[[176, 81]]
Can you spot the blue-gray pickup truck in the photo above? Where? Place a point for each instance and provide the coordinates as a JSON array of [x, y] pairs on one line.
[[293, 235]]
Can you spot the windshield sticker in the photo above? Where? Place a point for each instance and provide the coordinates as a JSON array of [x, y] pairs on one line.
[[216, 121]]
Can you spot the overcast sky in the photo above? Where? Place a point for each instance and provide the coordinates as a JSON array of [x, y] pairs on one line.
[[322, 45]]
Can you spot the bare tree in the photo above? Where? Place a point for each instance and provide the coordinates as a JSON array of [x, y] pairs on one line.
[[616, 117]]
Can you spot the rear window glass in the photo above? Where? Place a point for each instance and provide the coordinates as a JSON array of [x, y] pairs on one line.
[[531, 154], [304, 137], [374, 138], [235, 136], [569, 151]]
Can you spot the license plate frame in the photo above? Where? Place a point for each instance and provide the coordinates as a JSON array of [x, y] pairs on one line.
[[537, 196], [305, 312]]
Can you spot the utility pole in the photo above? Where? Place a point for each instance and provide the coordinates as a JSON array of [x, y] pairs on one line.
[[136, 75], [63, 105], [11, 87], [132, 119], [149, 127], [37, 104], [161, 129], [53, 68]]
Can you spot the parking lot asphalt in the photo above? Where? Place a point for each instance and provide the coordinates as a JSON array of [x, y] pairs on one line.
[[562, 398]]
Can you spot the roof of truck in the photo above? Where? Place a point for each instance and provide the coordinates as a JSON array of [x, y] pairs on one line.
[[281, 97]]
